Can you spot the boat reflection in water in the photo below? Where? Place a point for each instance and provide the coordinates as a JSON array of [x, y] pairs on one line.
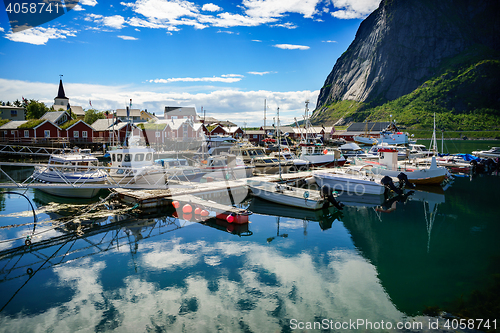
[[325, 216], [171, 273]]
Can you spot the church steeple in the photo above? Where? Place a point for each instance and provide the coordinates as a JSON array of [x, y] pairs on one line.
[[61, 99], [60, 93]]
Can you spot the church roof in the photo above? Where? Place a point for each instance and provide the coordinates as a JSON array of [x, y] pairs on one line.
[[60, 93]]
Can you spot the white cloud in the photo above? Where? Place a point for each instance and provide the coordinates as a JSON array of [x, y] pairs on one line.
[[78, 8], [1, 29], [39, 35], [287, 25], [88, 2], [227, 104], [354, 9], [260, 73], [128, 38], [291, 47], [330, 41], [210, 7], [227, 78], [115, 21], [171, 14]]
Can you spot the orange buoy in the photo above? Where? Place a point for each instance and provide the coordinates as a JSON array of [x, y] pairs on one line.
[[230, 218], [197, 211], [176, 204], [204, 213], [187, 209]]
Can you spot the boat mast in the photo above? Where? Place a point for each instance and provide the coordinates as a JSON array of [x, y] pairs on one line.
[[265, 133], [279, 143], [433, 140]]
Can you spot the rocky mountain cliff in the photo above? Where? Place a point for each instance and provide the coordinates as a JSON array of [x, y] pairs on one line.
[[404, 43]]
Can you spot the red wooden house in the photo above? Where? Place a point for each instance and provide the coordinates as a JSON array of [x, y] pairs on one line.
[[79, 132]]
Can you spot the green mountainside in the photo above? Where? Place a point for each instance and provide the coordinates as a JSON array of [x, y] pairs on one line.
[[411, 59]]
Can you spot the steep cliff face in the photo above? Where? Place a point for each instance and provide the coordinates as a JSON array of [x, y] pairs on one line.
[[403, 43]]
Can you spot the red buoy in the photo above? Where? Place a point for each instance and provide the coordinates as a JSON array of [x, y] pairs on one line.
[[230, 218], [176, 204], [187, 209], [325, 151], [197, 211], [204, 213]]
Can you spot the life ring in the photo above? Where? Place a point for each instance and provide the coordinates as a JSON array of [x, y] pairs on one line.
[[27, 242]]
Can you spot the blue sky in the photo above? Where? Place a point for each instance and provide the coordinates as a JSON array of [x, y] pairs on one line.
[[224, 56]]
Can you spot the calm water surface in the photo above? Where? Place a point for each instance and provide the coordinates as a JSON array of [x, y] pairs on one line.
[[137, 274]]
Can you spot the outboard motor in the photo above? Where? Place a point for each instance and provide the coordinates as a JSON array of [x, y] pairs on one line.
[[403, 180], [326, 192], [388, 183]]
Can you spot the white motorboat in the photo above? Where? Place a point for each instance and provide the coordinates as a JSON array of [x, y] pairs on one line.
[[226, 166], [256, 157], [494, 152], [321, 156], [287, 156], [419, 151], [77, 168], [353, 150], [352, 180], [287, 195], [403, 152], [179, 169], [388, 166]]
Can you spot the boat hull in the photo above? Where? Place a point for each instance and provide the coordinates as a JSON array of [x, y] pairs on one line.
[[84, 193], [286, 195], [341, 184]]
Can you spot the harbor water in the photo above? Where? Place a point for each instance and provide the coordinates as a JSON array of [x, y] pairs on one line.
[[393, 262]]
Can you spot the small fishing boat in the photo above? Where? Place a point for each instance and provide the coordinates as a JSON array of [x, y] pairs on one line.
[[321, 156], [491, 153], [77, 168], [353, 180], [179, 169], [226, 166], [287, 157], [388, 166], [135, 165], [288, 195], [353, 150]]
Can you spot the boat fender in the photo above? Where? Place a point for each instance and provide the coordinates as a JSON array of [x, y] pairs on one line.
[[403, 180], [306, 194], [388, 183], [327, 192]]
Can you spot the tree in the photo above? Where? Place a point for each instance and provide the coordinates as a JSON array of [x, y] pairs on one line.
[[91, 115], [35, 109], [17, 103]]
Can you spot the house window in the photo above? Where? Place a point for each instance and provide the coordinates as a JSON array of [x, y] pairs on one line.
[[157, 134], [174, 117], [46, 133], [76, 134], [26, 133], [84, 134], [13, 113], [13, 133], [255, 136]]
